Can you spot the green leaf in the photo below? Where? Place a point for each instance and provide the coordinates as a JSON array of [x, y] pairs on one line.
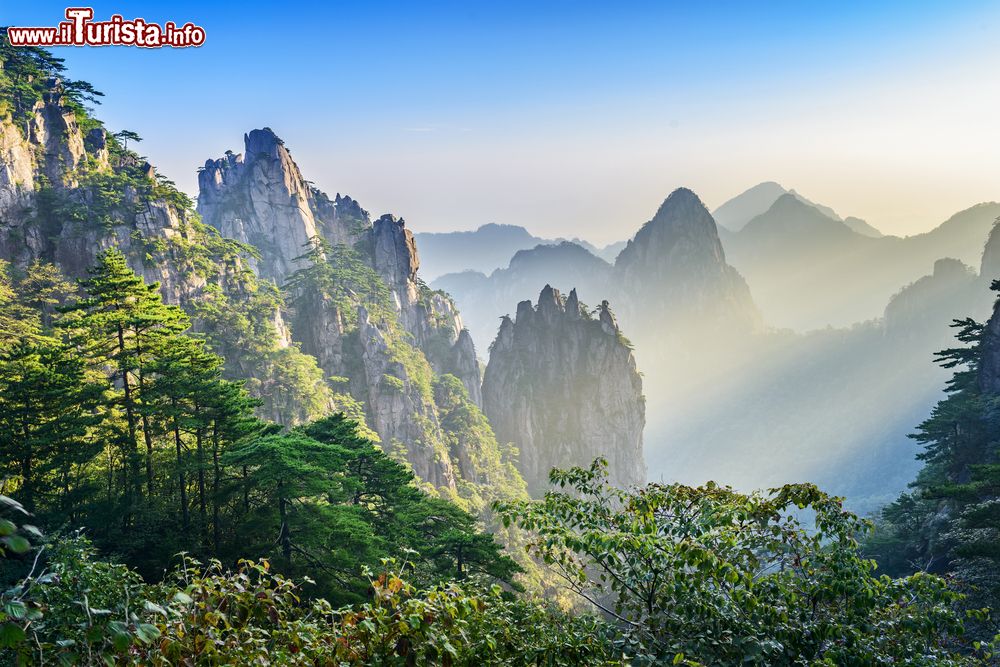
[[16, 543], [12, 504], [11, 635], [15, 609], [147, 633], [154, 608]]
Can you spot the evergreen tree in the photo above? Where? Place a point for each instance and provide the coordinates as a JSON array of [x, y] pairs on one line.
[[122, 322], [16, 321], [950, 522], [47, 411]]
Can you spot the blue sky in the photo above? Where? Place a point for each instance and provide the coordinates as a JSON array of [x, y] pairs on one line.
[[574, 118]]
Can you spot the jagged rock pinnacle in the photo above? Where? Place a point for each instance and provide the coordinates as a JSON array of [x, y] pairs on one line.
[[563, 387]]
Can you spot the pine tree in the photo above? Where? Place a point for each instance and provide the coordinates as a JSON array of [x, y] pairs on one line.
[[16, 321], [950, 522], [122, 322], [47, 411]]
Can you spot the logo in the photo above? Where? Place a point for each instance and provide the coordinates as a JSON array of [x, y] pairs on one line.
[[79, 29]]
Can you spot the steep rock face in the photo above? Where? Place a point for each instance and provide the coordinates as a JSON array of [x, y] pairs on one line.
[[429, 316], [562, 385], [50, 180], [675, 267], [262, 199], [401, 407], [989, 363], [357, 303], [989, 266]]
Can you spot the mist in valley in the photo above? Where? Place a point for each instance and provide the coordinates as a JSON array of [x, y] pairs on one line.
[[821, 378]]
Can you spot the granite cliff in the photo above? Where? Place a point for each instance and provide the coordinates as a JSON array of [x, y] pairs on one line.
[[315, 306], [355, 300], [562, 385]]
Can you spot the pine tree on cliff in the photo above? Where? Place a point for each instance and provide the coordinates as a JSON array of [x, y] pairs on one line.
[[950, 522]]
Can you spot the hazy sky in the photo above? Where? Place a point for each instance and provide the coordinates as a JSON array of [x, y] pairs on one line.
[[574, 118]]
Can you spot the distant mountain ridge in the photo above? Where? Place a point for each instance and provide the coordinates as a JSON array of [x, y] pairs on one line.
[[673, 267], [841, 276], [488, 248], [735, 213]]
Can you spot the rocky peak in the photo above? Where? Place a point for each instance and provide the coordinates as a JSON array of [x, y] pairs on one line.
[[989, 268], [573, 305], [681, 232], [951, 292], [989, 361], [550, 304], [675, 269], [396, 256], [607, 319], [563, 387], [950, 268], [261, 198]]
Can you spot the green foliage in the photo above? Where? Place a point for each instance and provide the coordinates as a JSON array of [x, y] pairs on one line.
[[16, 613], [339, 274], [289, 384], [326, 501], [18, 320], [99, 613], [719, 577], [488, 469], [89, 610], [28, 73], [47, 414], [393, 383], [948, 523]]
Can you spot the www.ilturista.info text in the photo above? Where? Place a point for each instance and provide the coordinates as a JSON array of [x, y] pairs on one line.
[[80, 30]]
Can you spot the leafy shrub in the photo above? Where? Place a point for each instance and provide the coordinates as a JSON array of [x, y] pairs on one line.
[[722, 578]]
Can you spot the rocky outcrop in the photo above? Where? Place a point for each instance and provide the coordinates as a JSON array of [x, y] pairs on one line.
[[562, 385], [931, 303], [401, 405], [430, 316], [675, 270], [386, 350], [989, 266], [260, 197], [989, 362], [55, 206]]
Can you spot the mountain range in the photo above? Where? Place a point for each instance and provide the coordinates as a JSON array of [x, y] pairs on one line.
[[488, 248], [733, 397], [318, 306]]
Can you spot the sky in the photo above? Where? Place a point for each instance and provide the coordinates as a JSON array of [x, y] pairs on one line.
[[573, 118]]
